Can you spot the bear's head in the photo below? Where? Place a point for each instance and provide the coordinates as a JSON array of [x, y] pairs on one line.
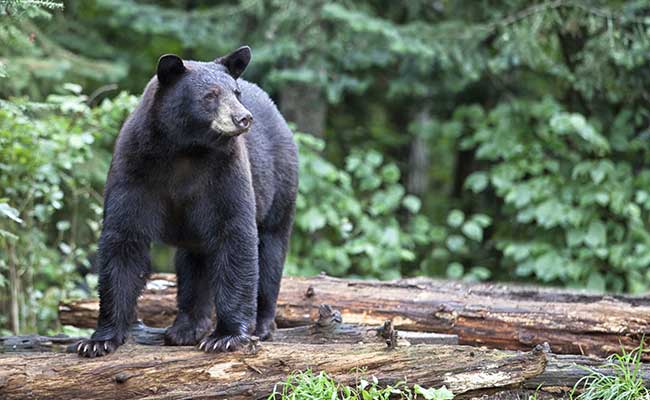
[[199, 102]]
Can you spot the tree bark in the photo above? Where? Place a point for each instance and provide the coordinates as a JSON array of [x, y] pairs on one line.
[[328, 328], [305, 106], [563, 371], [419, 159], [346, 352], [14, 284], [136, 371], [494, 315], [163, 372]]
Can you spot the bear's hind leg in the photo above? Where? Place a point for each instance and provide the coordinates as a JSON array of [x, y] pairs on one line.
[[272, 253], [194, 300], [233, 268]]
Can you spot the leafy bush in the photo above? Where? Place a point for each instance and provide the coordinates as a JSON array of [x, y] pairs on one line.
[[574, 200], [359, 221], [347, 219], [53, 157]]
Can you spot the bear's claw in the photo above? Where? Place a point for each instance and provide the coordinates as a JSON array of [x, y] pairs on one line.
[[95, 348], [224, 343]]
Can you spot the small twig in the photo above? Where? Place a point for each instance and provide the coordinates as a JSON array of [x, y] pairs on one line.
[[100, 91], [254, 368]]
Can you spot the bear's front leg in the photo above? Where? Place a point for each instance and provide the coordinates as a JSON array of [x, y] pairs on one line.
[[124, 268], [233, 276]]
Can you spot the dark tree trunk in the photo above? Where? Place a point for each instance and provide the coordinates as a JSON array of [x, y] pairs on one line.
[[419, 159], [305, 106]]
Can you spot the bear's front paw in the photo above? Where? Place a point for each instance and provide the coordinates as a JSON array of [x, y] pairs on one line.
[[92, 348], [186, 333], [223, 343]]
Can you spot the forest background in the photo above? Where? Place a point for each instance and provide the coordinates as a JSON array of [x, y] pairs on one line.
[[474, 140]]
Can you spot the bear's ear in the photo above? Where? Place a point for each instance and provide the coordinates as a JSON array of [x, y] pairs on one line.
[[170, 67], [237, 61]]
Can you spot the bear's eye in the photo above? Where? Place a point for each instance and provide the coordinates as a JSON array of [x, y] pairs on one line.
[[237, 92], [212, 94]]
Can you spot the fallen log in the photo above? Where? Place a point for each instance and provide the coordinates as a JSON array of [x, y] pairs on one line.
[[494, 315], [563, 371], [471, 371], [36, 343], [328, 328], [153, 372], [137, 371]]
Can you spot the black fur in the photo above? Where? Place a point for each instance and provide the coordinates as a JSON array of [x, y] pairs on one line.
[[237, 61], [225, 199]]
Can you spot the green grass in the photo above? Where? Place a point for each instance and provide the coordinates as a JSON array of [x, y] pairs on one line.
[[625, 383], [307, 385], [534, 395]]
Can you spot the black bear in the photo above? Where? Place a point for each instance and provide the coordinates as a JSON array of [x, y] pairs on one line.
[[207, 164]]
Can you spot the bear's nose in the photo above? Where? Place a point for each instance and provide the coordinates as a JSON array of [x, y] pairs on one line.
[[243, 121]]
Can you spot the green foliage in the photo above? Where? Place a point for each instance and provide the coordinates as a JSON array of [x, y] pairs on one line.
[[576, 211], [53, 157], [624, 383], [29, 8], [359, 221], [348, 220], [307, 385], [35, 63]]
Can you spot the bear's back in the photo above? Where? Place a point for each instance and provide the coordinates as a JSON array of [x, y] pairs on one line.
[[272, 152]]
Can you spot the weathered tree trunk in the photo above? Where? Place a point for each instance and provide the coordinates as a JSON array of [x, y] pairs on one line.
[[419, 158], [14, 284], [346, 352], [306, 106], [136, 371], [494, 315]]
